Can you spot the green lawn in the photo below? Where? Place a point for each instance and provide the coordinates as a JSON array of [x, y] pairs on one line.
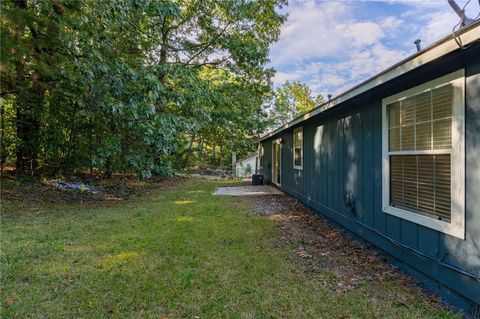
[[173, 254]]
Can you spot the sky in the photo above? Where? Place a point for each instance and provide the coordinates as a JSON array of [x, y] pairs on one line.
[[333, 45]]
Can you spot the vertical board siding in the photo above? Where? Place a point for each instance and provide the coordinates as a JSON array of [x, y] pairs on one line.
[[393, 226], [369, 169], [472, 127], [340, 163], [315, 160], [343, 153], [267, 160], [379, 220], [360, 165], [307, 165], [409, 233], [429, 241]]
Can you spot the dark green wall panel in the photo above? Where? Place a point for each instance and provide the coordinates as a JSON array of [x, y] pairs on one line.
[[342, 153]]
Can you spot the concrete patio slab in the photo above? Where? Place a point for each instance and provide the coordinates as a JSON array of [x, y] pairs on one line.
[[247, 190]]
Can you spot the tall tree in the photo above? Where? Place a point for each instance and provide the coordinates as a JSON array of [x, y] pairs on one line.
[[292, 99], [33, 44], [119, 85]]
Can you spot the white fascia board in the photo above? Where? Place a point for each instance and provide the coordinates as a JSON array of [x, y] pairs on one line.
[[436, 50]]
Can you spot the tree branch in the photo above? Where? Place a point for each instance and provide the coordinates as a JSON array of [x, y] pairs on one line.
[[207, 45]]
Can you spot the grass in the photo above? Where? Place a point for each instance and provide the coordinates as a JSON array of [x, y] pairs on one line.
[[179, 253]]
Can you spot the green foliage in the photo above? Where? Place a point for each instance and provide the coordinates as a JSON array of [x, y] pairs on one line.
[[292, 99], [124, 86]]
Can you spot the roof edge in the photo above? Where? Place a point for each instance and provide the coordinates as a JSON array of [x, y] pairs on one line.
[[246, 158]]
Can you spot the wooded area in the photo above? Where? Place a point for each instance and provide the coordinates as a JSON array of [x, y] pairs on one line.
[[135, 86]]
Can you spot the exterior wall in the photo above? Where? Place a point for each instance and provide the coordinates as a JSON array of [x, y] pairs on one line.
[[343, 152], [266, 161], [241, 166]]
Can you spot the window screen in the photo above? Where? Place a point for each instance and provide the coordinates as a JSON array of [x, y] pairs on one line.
[[297, 147], [419, 145]]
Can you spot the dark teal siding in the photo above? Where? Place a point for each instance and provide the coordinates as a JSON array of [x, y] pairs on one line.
[[267, 160], [343, 153]]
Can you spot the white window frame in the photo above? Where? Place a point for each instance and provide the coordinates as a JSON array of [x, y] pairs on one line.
[[299, 167], [456, 227]]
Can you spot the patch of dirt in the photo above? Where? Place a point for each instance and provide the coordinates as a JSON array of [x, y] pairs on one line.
[[35, 196], [325, 247]]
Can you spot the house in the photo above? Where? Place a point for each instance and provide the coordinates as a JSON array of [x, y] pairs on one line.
[[246, 167], [396, 161]]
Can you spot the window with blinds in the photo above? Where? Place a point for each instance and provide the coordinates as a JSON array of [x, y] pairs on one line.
[[298, 148], [419, 150], [423, 154]]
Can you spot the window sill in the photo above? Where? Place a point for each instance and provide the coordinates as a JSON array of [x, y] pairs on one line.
[[300, 168], [453, 229]]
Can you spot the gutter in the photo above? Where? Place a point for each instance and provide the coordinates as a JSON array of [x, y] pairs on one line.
[[466, 35]]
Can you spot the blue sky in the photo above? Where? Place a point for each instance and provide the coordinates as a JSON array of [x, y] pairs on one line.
[[333, 45]]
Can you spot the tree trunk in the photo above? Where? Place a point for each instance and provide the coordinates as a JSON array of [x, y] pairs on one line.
[[28, 136], [222, 159], [191, 144], [28, 106], [108, 169], [202, 158], [163, 50], [214, 156], [3, 154]]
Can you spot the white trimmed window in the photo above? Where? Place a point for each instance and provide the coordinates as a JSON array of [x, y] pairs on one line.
[[424, 154], [298, 148]]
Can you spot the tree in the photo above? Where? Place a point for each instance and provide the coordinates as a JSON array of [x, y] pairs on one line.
[[234, 117], [248, 169], [292, 99], [319, 100], [32, 45], [121, 85]]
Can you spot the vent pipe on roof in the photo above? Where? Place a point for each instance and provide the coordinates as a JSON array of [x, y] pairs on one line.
[[417, 43], [329, 96]]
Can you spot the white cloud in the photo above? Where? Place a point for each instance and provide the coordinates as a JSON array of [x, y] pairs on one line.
[[325, 78], [359, 34], [432, 20], [281, 77], [391, 22], [437, 25], [419, 3], [332, 47], [310, 31]]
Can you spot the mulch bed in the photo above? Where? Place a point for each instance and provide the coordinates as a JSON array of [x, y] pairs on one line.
[[325, 247], [34, 196]]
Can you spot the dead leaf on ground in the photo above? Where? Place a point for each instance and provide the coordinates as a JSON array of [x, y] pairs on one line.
[[332, 248], [401, 299]]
